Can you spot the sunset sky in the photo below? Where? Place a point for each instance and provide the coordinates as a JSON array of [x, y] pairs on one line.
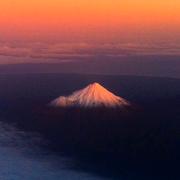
[[47, 28], [85, 20]]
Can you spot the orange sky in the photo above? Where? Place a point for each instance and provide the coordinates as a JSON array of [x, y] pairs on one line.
[[88, 19]]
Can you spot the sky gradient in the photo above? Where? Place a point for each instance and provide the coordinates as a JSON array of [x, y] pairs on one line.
[[136, 37], [85, 20]]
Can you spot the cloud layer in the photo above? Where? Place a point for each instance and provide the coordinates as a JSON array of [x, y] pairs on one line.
[[65, 52]]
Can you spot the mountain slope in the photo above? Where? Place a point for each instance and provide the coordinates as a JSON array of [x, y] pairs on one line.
[[94, 95]]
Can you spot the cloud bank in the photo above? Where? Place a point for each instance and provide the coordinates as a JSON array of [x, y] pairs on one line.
[[65, 52]]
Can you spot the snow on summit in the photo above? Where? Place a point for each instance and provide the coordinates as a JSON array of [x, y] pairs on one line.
[[94, 95]]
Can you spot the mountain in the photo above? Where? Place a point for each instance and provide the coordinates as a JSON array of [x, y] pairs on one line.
[[94, 95]]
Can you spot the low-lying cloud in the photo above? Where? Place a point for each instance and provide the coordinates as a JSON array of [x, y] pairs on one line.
[[65, 52]]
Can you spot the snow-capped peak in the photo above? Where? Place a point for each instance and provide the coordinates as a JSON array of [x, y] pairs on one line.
[[94, 95]]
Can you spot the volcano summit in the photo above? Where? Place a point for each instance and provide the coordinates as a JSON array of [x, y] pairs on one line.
[[94, 95]]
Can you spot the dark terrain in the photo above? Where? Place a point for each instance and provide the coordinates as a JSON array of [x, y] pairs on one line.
[[143, 143]]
